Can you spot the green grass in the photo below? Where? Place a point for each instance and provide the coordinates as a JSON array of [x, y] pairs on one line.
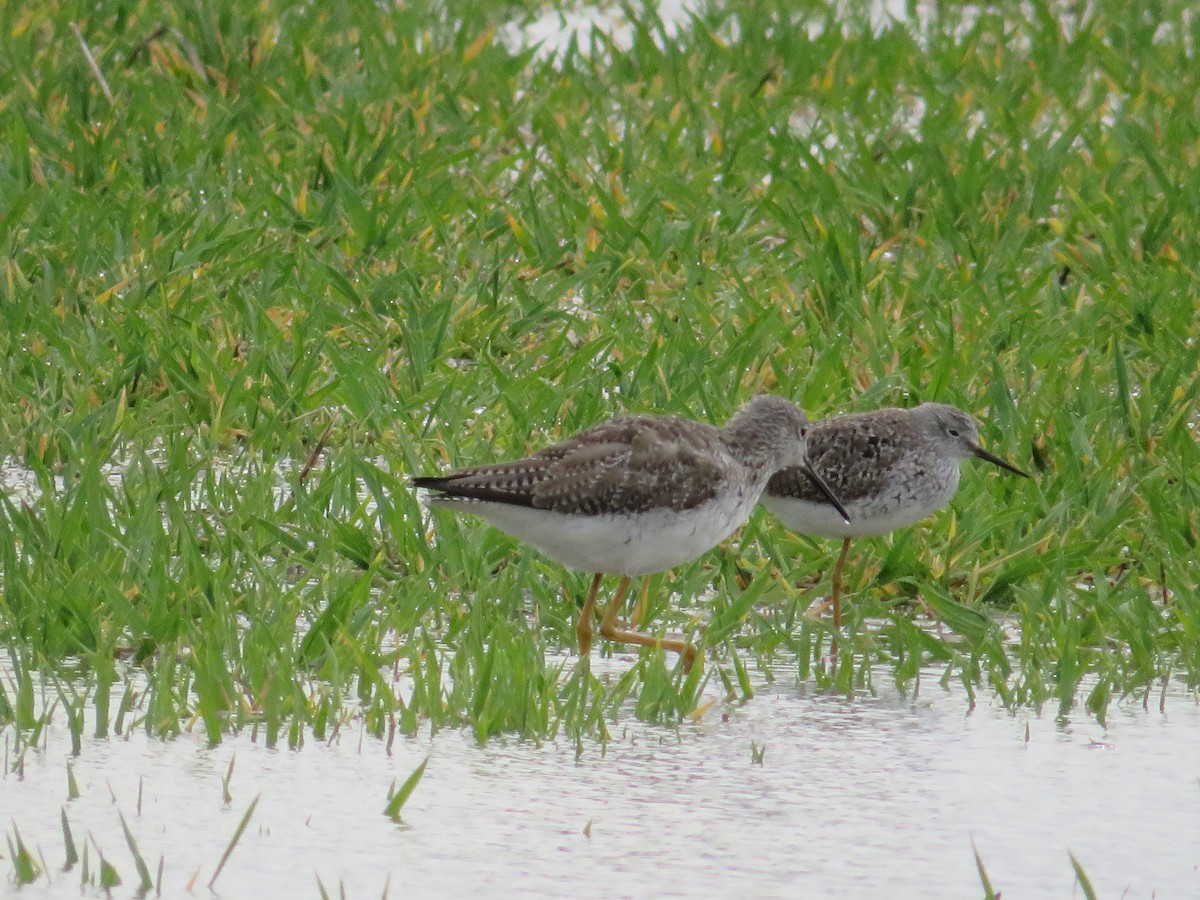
[[301, 256], [990, 893]]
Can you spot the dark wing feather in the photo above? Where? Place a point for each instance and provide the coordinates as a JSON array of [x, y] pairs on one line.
[[853, 453], [632, 464], [510, 482]]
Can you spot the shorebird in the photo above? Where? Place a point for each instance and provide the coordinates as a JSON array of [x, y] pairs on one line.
[[635, 495], [890, 467]]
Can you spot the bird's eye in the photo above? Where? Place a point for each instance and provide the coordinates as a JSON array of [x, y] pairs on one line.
[[803, 431], [953, 432]]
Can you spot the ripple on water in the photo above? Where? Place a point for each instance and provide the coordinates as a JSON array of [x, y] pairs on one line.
[[882, 794]]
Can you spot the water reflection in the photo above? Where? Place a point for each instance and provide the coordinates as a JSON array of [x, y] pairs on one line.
[[880, 794]]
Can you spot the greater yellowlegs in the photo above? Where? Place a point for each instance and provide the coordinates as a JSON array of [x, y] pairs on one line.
[[634, 496], [890, 467]]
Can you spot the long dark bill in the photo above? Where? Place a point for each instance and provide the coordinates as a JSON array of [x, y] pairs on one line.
[[828, 492], [997, 461]]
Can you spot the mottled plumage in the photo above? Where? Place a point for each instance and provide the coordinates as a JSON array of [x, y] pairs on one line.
[[890, 467], [635, 495], [628, 465]]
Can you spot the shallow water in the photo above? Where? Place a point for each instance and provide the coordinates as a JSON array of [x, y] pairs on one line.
[[879, 795], [552, 31]]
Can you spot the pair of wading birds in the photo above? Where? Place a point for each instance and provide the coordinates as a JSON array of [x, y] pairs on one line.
[[643, 494]]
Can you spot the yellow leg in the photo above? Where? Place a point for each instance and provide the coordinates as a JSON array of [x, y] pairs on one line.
[[611, 630], [584, 628], [837, 604], [608, 621]]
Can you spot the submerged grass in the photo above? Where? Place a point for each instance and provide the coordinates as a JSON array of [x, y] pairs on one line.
[[397, 797], [25, 868], [233, 841], [298, 256]]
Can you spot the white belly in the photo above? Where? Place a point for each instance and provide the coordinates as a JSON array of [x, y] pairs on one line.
[[619, 544], [867, 519]]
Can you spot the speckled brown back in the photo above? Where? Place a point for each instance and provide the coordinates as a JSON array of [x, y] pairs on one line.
[[628, 465], [856, 454]]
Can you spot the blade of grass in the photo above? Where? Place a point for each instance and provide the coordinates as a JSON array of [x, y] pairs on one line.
[[1085, 883], [237, 836], [145, 882], [989, 892], [400, 797]]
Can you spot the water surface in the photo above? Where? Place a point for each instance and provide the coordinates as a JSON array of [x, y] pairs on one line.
[[872, 796]]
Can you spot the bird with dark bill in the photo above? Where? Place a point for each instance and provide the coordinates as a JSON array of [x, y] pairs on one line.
[[636, 495], [889, 467]]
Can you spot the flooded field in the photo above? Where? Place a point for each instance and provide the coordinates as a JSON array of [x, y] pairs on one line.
[[265, 263], [874, 795]]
